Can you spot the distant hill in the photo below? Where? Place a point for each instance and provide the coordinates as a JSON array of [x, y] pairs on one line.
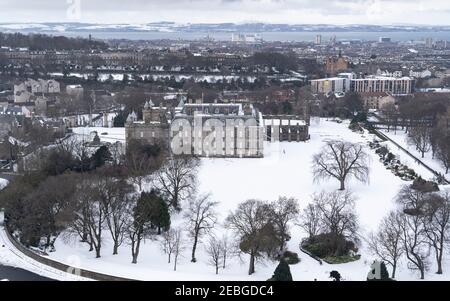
[[41, 42], [219, 27]]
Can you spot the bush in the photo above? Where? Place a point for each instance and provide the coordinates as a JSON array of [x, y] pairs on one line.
[[355, 127], [424, 186], [341, 259], [291, 257], [329, 244]]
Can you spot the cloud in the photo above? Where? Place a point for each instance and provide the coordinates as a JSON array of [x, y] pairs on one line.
[[216, 11]]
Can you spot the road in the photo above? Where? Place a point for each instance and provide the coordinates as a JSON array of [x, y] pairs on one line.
[[15, 274]]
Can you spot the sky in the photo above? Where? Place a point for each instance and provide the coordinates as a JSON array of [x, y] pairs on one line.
[[377, 12]]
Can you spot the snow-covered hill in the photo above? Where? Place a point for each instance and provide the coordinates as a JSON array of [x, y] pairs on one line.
[[219, 27]]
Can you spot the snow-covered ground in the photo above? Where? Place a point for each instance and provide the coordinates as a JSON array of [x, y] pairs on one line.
[[111, 135], [3, 183], [284, 171], [10, 256], [401, 138]]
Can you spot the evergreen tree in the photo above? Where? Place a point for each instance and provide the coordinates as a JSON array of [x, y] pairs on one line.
[[119, 120], [101, 156], [282, 272], [158, 210]]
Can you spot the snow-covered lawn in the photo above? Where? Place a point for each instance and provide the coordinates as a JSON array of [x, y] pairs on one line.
[[284, 171], [111, 135], [401, 138]]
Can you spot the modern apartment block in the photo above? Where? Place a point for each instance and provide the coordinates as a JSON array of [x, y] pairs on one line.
[[393, 85], [345, 83]]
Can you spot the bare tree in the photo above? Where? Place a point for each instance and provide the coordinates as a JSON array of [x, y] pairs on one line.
[[390, 115], [337, 211], [93, 213], [214, 249], [311, 220], [177, 178], [341, 160], [252, 223], [284, 211], [178, 246], [386, 243], [420, 137], [443, 151], [168, 243], [414, 239], [437, 224], [201, 218], [225, 245], [116, 199]]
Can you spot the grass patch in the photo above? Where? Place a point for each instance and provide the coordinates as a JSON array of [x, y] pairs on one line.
[[341, 259]]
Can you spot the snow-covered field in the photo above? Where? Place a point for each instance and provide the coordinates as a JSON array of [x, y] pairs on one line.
[[284, 171], [111, 135]]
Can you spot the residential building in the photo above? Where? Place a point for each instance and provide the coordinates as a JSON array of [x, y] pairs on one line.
[[396, 86], [376, 100]]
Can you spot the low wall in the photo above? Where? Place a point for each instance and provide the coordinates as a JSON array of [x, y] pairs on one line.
[[61, 266]]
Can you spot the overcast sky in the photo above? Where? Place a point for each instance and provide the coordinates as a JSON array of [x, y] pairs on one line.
[[386, 12]]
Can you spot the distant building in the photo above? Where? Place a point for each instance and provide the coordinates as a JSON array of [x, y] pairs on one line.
[[339, 84], [220, 130], [318, 40], [286, 128], [384, 40], [392, 85], [246, 38], [420, 74], [329, 85], [76, 91], [376, 100], [153, 129], [24, 91], [334, 65]]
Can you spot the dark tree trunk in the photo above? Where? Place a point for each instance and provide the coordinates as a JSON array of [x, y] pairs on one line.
[[115, 248], [194, 247], [439, 252], [136, 251], [342, 185], [251, 268]]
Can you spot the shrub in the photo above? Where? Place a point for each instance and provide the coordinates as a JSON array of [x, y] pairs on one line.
[[291, 257], [329, 244], [424, 186]]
